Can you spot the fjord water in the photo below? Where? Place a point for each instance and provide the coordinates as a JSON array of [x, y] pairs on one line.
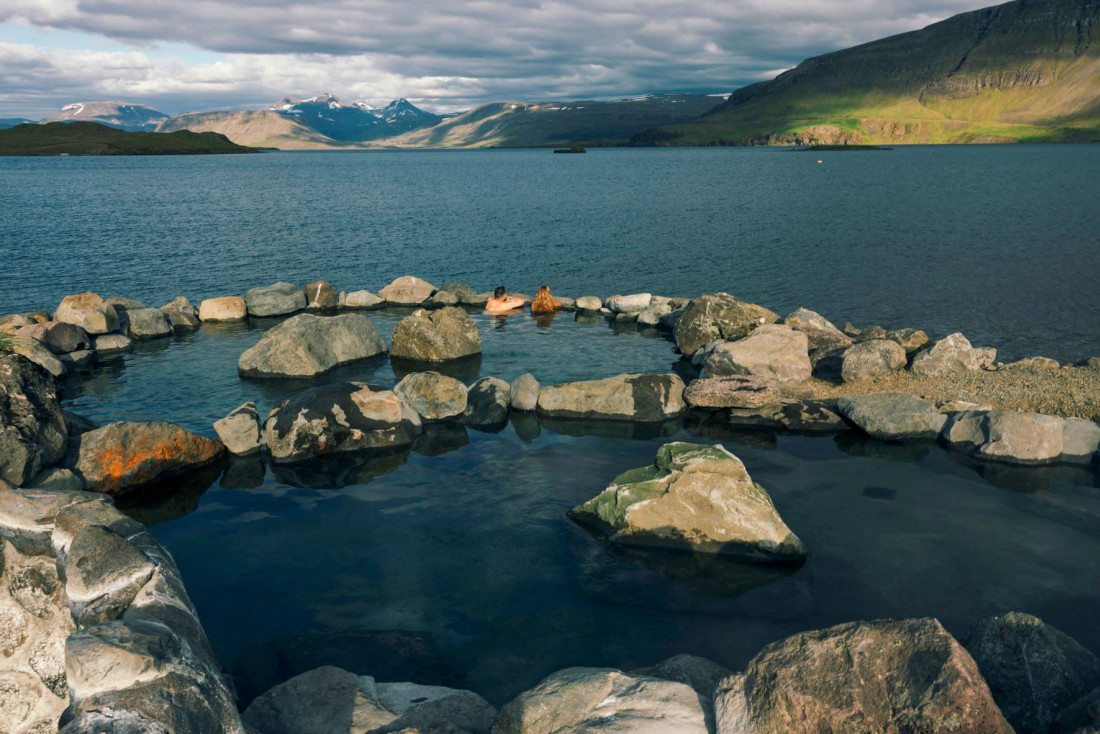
[[462, 546]]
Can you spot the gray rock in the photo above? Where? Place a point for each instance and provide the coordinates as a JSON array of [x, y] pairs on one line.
[[694, 497], [148, 323], [241, 431], [431, 708], [113, 344], [58, 337], [89, 312], [363, 300], [1080, 440], [116, 655], [57, 479], [322, 296], [772, 351], [958, 406], [892, 416], [589, 303], [1033, 363], [441, 299], [640, 398], [183, 322], [307, 345], [407, 291], [487, 403], [27, 517], [81, 513], [78, 360], [433, 396], [810, 416], [279, 299], [653, 314], [461, 290], [435, 336], [965, 430], [883, 676], [524, 392], [32, 428], [103, 574], [1033, 670], [1022, 438], [39, 355], [635, 303], [224, 309], [603, 701], [701, 674], [951, 355], [872, 358], [911, 340], [717, 316], [567, 304], [125, 304], [735, 391], [340, 418], [180, 304], [669, 320]]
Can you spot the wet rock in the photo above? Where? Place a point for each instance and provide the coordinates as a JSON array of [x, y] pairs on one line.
[[642, 398], [32, 427], [122, 457], [591, 700], [280, 299], [951, 355], [89, 312], [717, 316], [322, 296], [183, 322], [1080, 440], [241, 431], [78, 360], [363, 300], [810, 416], [589, 303], [891, 416], [307, 345], [148, 323], [634, 304], [39, 355], [872, 359], [653, 314], [226, 308], [433, 396], [694, 497], [58, 337], [339, 418], [103, 574], [911, 340], [407, 291], [772, 351], [487, 403], [567, 304], [1033, 670], [734, 391], [524, 392], [442, 299], [906, 675], [113, 344], [435, 336]]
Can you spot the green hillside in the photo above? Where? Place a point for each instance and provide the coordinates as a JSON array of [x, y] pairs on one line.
[[90, 138], [1024, 71]]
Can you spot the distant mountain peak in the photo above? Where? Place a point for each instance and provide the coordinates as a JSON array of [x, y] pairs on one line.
[[123, 115]]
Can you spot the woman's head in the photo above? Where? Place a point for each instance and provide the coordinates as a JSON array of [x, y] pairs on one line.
[[544, 302], [543, 292], [500, 292]]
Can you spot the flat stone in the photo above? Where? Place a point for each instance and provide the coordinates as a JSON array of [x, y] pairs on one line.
[[407, 290], [363, 300], [892, 416], [113, 344], [226, 308], [734, 391], [653, 314], [524, 392], [433, 396], [279, 299], [118, 654], [487, 403], [307, 345], [872, 358], [435, 336], [241, 431], [27, 516], [148, 323], [1033, 363], [89, 312], [772, 351], [717, 316], [635, 303], [641, 398], [701, 674]]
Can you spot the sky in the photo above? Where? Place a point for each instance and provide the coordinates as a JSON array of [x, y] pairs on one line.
[[197, 55]]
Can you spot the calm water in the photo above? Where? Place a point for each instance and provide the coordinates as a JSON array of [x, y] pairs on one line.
[[997, 241], [455, 563]]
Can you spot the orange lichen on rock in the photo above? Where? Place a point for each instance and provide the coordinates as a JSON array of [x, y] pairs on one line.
[[122, 456]]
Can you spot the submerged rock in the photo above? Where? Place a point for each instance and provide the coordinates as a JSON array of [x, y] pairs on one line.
[[772, 351], [872, 358], [694, 497], [433, 396], [435, 336], [951, 355], [307, 345], [892, 416], [279, 299], [883, 676], [226, 308], [733, 391], [33, 434], [407, 291], [605, 701], [339, 418], [524, 392], [487, 403], [641, 398], [241, 431], [89, 312], [121, 457], [322, 296], [717, 316]]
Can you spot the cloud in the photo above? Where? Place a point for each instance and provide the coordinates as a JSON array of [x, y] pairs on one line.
[[440, 52]]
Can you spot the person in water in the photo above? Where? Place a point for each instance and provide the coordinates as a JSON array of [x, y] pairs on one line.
[[500, 302], [544, 303]]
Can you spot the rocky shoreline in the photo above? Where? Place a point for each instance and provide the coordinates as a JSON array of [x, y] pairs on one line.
[[98, 633]]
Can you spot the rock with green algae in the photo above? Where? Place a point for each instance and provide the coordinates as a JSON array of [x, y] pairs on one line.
[[694, 497]]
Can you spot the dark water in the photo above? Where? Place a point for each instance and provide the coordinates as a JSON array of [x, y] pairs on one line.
[[997, 241], [462, 550]]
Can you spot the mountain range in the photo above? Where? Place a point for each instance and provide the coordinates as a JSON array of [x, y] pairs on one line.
[[121, 115]]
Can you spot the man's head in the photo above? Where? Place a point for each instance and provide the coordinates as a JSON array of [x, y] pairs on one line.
[[500, 292]]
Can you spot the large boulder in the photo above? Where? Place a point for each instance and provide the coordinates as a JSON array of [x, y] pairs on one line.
[[732, 391], [407, 290], [435, 336], [884, 676], [148, 323], [872, 358], [487, 403], [307, 345], [226, 308], [58, 337], [279, 299], [241, 431], [951, 355], [1080, 440], [433, 396], [693, 497], [772, 351], [89, 312], [640, 398], [717, 316], [603, 701], [32, 427], [1034, 670], [892, 416], [122, 457], [339, 418]]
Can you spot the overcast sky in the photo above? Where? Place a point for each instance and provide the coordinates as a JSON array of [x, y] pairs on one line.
[[181, 55]]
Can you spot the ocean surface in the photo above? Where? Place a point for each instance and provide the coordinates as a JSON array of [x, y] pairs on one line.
[[455, 563]]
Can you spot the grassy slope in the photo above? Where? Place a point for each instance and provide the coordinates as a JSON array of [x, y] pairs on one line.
[[89, 138], [1023, 71], [260, 128]]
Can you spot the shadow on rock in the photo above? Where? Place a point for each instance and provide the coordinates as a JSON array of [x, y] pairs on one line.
[[337, 472], [171, 498]]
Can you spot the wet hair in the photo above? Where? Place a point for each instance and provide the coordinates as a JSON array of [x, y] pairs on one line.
[[544, 302], [500, 292]]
